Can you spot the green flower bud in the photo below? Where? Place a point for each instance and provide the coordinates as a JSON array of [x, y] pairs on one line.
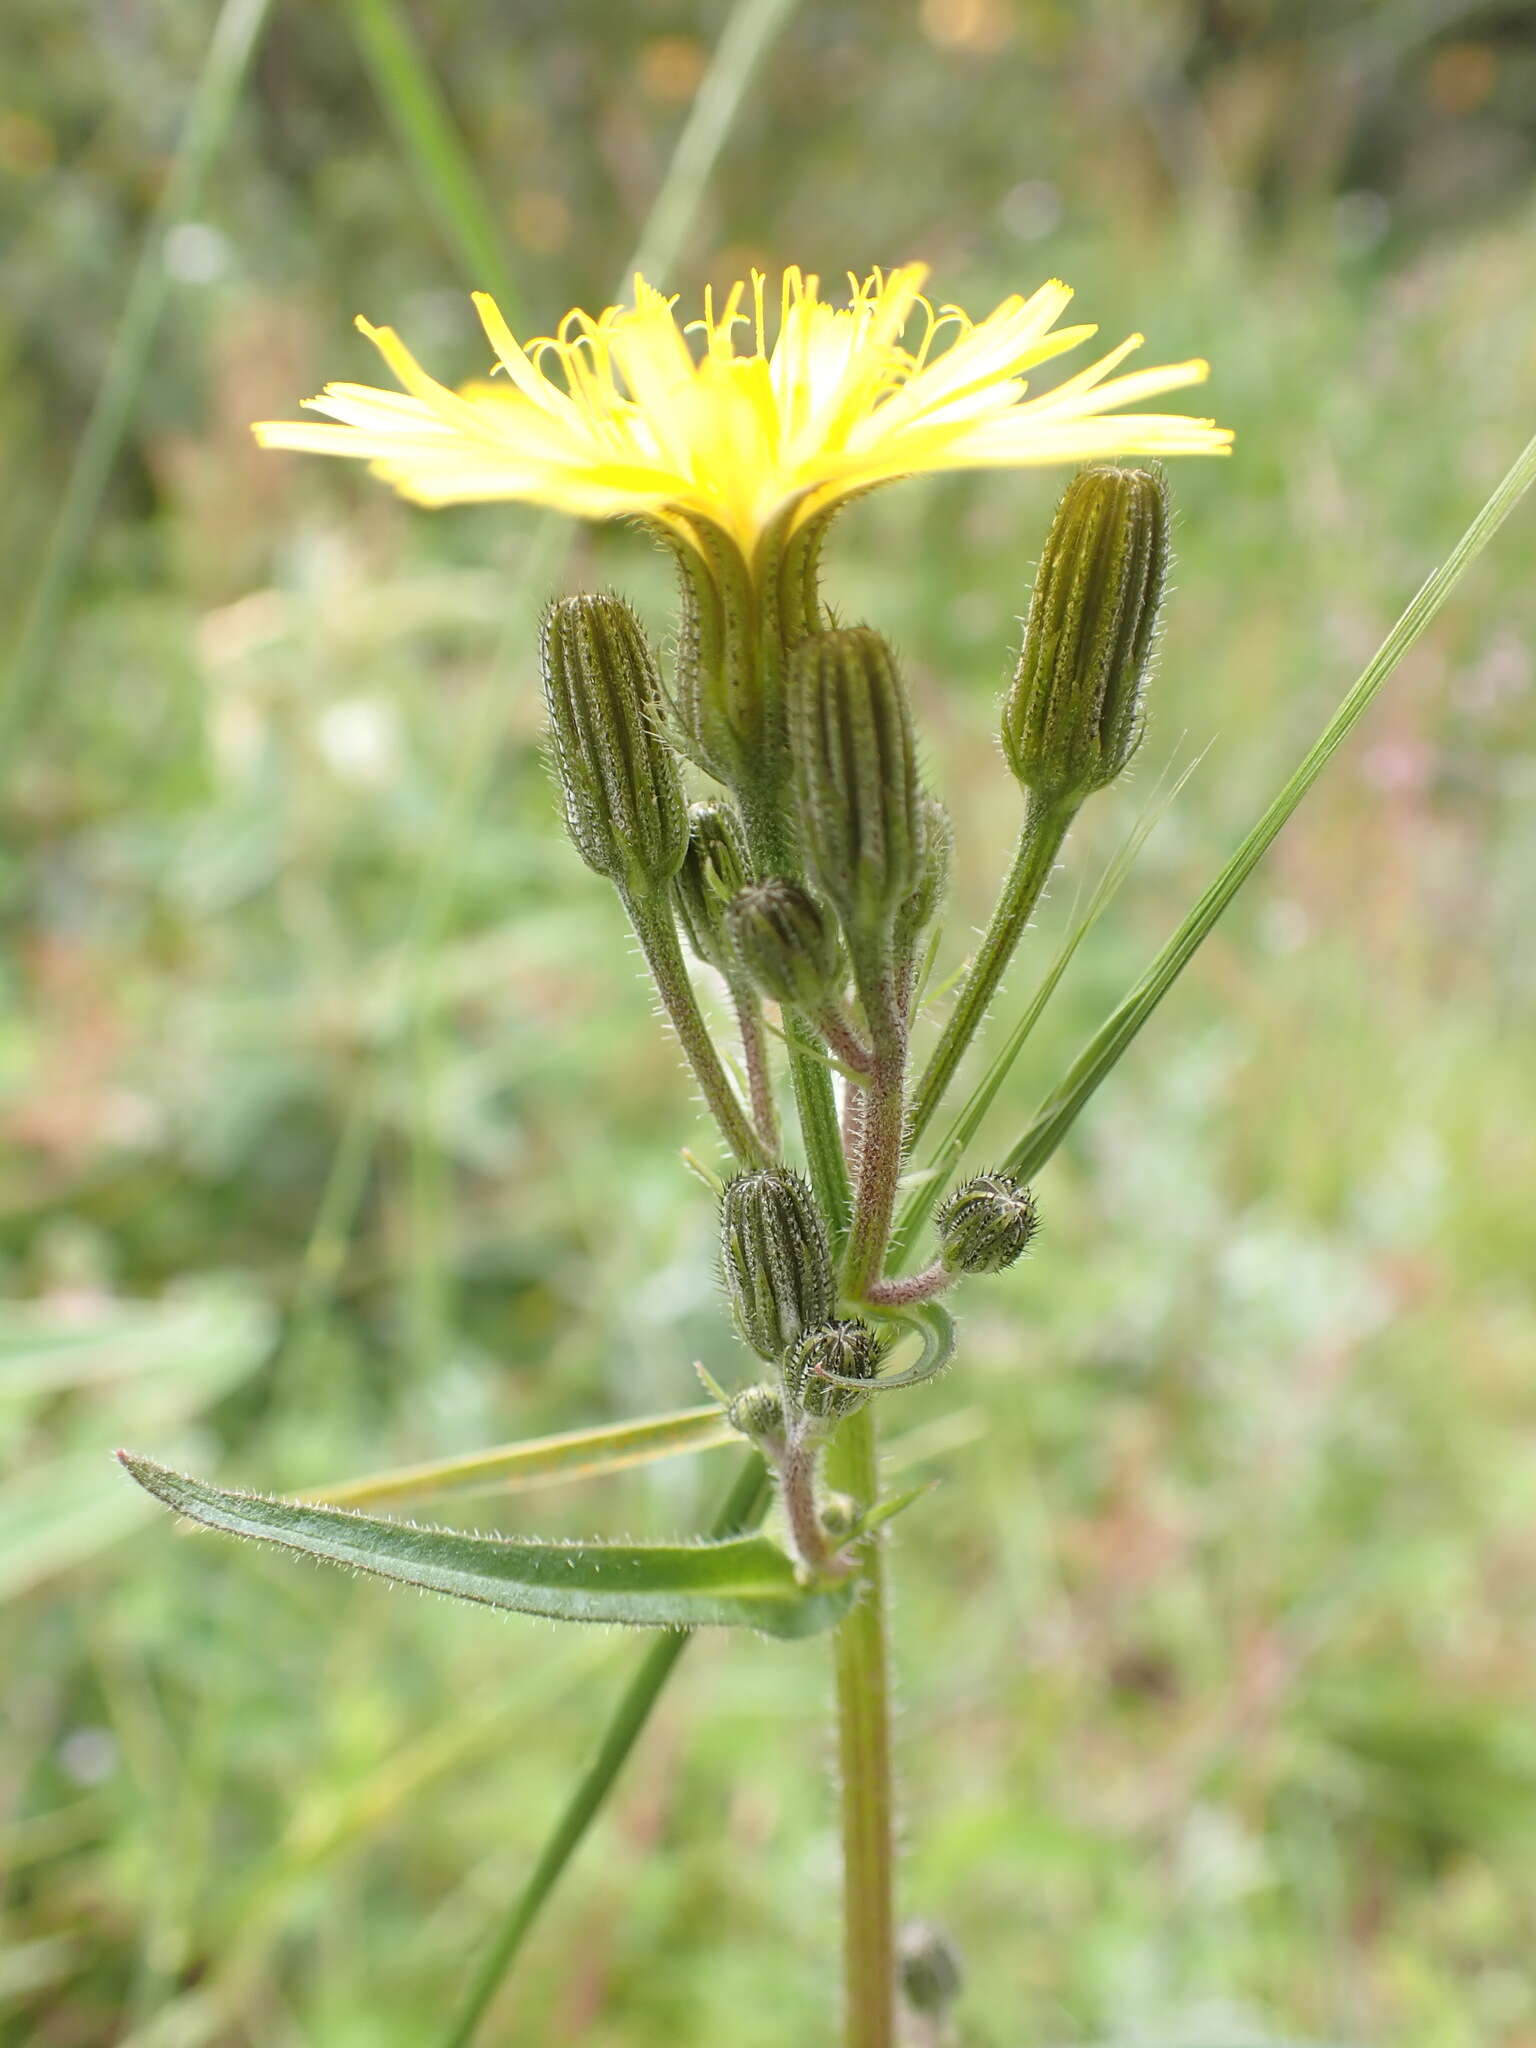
[[714, 869], [839, 1515], [619, 782], [786, 942], [1073, 715], [850, 1349], [856, 788], [758, 1412], [775, 1261], [986, 1224], [930, 1969], [927, 899]]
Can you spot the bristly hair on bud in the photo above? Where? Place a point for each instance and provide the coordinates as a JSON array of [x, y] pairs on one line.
[[787, 942], [927, 899], [1074, 714], [987, 1224], [715, 868], [758, 1413], [774, 1260], [850, 1350], [856, 783], [618, 777]]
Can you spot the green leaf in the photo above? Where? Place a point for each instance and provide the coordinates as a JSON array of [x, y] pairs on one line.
[[744, 1582], [545, 1460], [1064, 1105]]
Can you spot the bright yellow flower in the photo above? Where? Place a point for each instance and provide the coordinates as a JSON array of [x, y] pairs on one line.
[[833, 400]]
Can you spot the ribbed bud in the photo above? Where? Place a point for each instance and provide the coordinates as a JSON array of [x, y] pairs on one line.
[[1073, 715], [758, 1412], [787, 943], [927, 899], [856, 787], [850, 1349], [619, 782], [930, 1969], [986, 1224], [774, 1257], [714, 869]]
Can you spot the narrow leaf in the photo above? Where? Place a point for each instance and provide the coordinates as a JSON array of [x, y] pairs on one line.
[[744, 1582], [545, 1460], [1064, 1105]]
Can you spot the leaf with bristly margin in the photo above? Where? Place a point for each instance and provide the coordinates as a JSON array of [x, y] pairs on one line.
[[744, 1582]]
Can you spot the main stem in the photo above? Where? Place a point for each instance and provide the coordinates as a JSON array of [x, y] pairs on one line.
[[864, 1761], [1045, 827]]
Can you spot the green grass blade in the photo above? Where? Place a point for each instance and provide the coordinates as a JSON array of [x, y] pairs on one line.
[[214, 100], [439, 163], [737, 1582], [1064, 1105], [936, 1174], [744, 1508], [545, 1460]]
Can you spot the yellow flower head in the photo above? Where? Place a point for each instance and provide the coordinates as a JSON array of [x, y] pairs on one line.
[[766, 420]]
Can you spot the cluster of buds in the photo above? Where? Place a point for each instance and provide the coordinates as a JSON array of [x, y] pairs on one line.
[[812, 882]]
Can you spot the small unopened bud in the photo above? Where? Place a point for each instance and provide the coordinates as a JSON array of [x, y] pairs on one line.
[[775, 1261], [930, 1969], [714, 869], [1073, 715], [987, 1224], [927, 899], [787, 943], [758, 1412], [851, 1350], [619, 782], [856, 787], [839, 1515]]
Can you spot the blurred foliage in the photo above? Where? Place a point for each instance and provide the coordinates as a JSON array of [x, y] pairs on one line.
[[1216, 1644]]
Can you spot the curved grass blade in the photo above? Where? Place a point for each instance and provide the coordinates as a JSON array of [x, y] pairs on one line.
[[1062, 1107], [214, 100], [744, 1508], [742, 1582], [936, 1175], [543, 1460]]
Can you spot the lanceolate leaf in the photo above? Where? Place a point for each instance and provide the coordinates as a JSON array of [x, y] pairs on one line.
[[745, 1582]]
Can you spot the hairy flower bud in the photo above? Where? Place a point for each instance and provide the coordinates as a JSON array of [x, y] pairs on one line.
[[787, 942], [1073, 715], [775, 1261], [714, 869], [856, 787], [930, 1969], [758, 1412], [619, 782], [987, 1224], [850, 1349]]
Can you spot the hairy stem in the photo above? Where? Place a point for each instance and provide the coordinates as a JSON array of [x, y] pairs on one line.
[[901, 1293], [882, 1143], [797, 1486], [1045, 827], [754, 1052], [652, 920], [864, 1760]]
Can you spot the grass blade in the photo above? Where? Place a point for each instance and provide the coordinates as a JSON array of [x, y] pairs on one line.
[[1064, 1105], [214, 100], [734, 1582], [941, 1166], [440, 164], [545, 1460], [744, 1508]]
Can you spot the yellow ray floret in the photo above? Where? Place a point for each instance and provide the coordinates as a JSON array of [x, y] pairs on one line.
[[752, 412]]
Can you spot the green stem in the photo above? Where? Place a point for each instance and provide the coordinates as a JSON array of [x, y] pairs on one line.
[[882, 1136], [864, 1761], [652, 920], [1045, 827], [754, 1053], [744, 1508], [766, 815]]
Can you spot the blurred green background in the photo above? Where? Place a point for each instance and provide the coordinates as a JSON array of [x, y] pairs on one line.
[[337, 1131]]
